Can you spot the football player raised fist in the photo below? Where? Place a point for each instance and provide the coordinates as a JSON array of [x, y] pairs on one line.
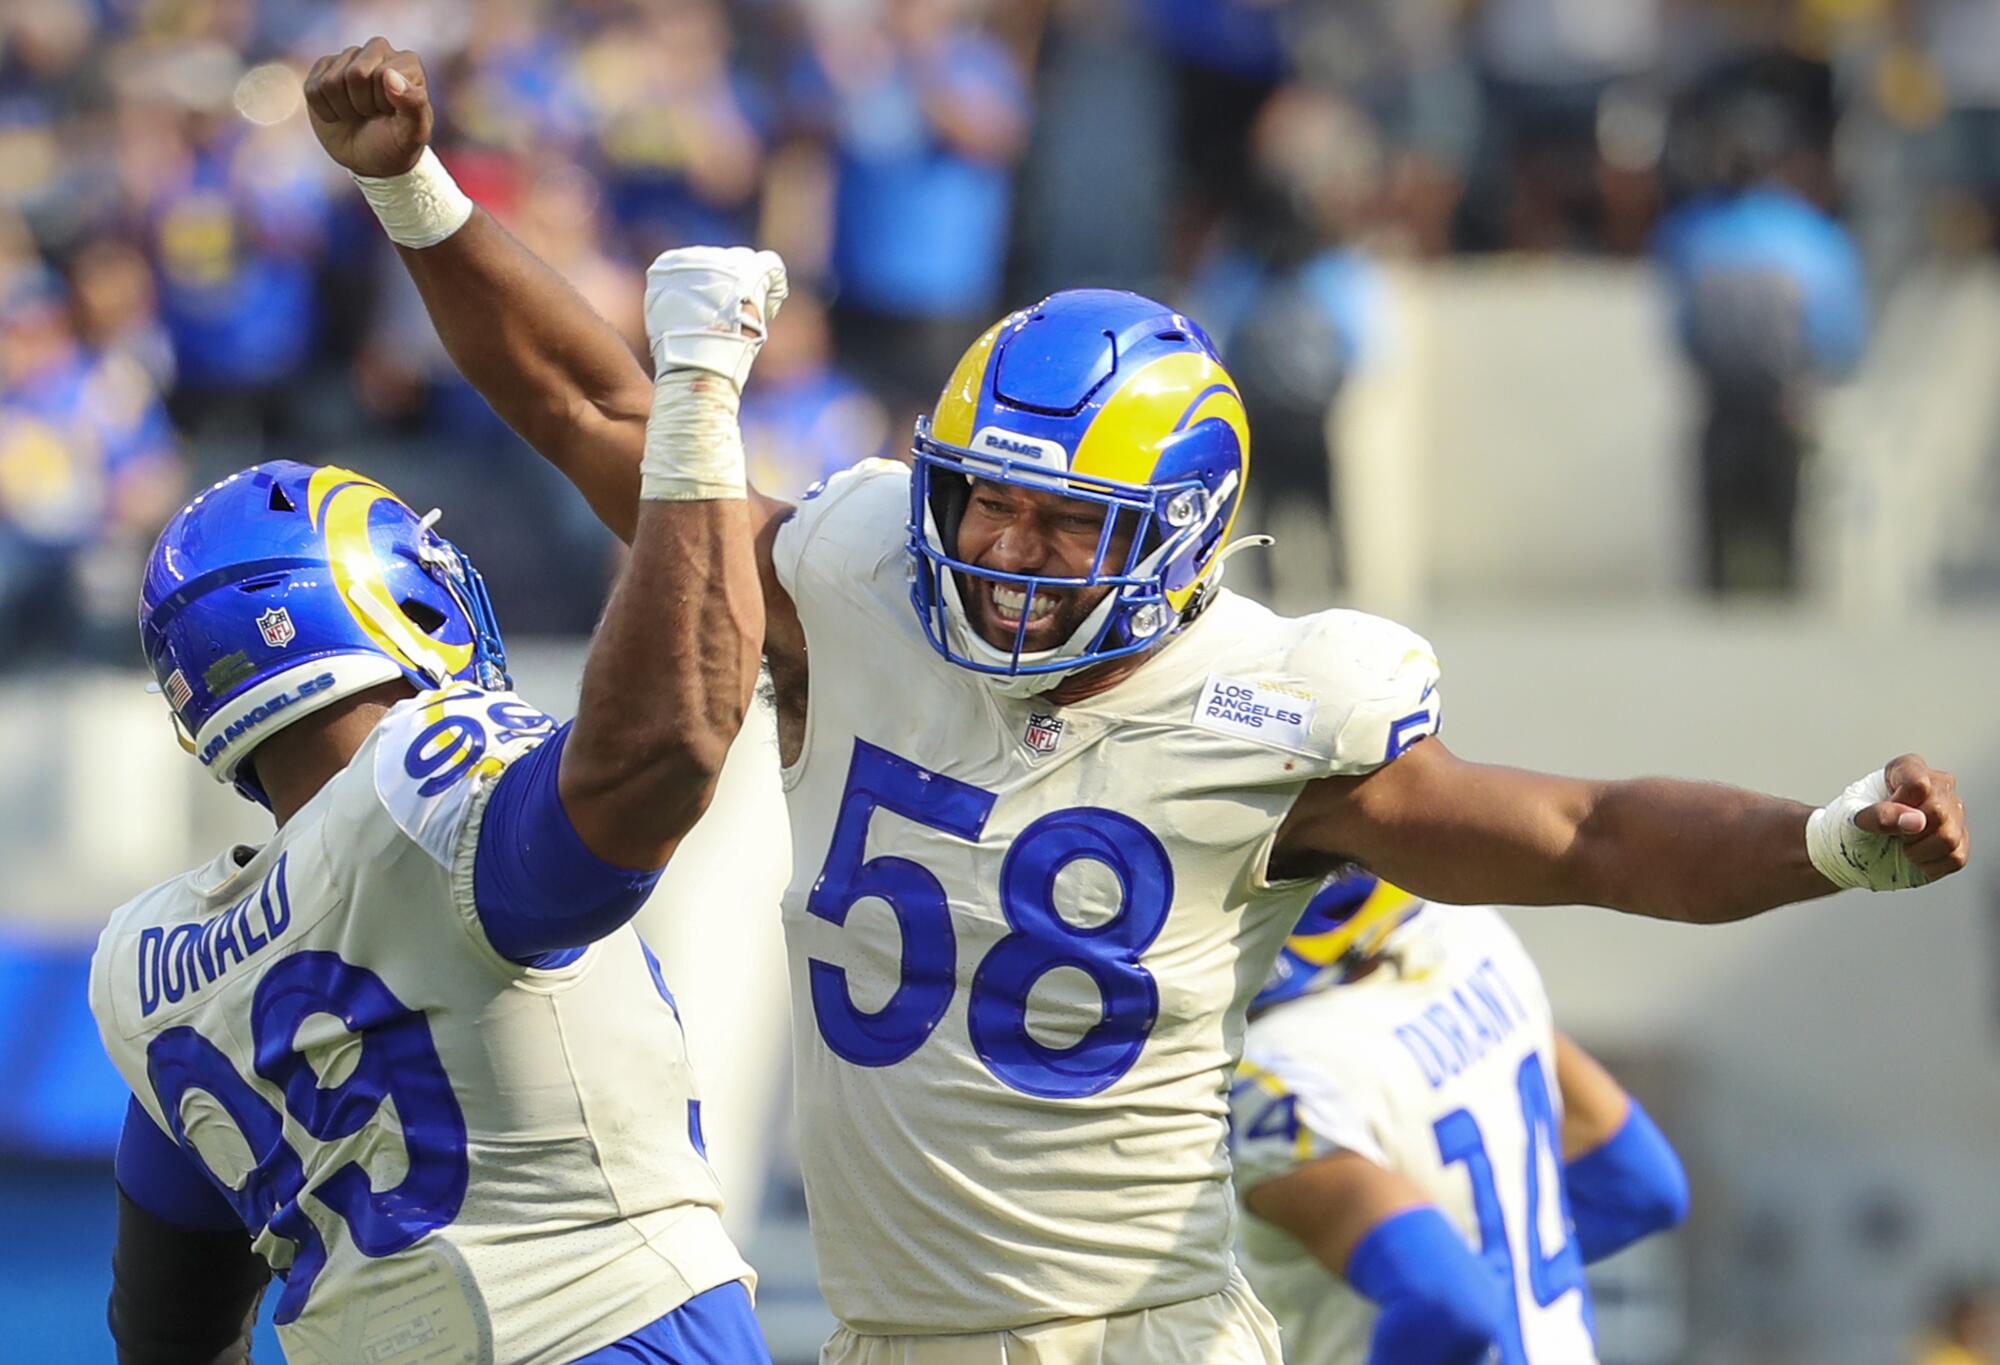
[[371, 108]]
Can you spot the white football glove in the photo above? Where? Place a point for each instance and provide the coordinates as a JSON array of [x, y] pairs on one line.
[[710, 307]]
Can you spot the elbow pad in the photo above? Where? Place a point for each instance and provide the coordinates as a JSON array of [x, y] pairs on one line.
[[1440, 1304], [1631, 1187], [182, 1296]]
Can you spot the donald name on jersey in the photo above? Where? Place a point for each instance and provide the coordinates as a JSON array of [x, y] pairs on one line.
[[180, 961]]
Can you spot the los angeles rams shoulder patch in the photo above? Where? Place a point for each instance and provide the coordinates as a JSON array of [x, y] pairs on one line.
[[1259, 712]]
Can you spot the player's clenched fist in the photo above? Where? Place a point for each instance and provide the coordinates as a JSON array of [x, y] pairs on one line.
[[371, 108], [1902, 825]]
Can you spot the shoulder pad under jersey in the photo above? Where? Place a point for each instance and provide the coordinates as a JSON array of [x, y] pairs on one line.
[[843, 526], [1376, 684], [436, 752]]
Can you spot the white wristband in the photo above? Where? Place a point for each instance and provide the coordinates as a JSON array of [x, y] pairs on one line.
[[694, 447], [1850, 856], [419, 208]]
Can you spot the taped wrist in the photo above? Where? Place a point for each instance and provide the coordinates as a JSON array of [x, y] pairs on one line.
[[694, 445], [419, 208], [1852, 857]]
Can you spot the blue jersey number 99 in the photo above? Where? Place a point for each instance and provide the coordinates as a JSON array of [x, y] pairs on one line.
[[396, 1062], [1040, 940]]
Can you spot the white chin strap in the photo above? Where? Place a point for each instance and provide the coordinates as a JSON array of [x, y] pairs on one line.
[[1233, 549]]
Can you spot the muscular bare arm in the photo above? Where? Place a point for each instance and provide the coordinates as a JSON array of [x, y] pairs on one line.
[[667, 682], [674, 661], [675, 664], [555, 371], [561, 376], [1464, 832]]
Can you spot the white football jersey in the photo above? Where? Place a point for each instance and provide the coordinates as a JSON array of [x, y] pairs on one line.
[[447, 1156], [1022, 937], [1444, 1072]]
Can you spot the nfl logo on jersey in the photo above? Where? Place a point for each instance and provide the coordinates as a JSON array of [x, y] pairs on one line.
[[277, 628], [1043, 733]]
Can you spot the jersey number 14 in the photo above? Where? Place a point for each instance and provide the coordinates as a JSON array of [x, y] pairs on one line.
[[1039, 939], [1550, 1275]]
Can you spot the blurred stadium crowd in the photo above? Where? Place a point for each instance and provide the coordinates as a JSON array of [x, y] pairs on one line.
[[186, 283]]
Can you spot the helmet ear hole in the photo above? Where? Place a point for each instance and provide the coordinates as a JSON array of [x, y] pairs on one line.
[[422, 614]]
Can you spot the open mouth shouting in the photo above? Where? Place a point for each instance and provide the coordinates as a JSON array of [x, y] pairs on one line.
[[1004, 605]]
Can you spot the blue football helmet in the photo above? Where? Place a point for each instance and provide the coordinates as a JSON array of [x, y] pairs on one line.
[[286, 587], [1100, 396], [1347, 923]]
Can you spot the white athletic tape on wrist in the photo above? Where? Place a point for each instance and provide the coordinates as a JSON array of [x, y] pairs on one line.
[[1850, 856], [694, 445], [419, 208]]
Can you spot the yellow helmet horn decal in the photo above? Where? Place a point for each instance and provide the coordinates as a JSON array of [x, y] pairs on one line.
[[957, 410], [339, 502], [1363, 930], [1149, 408]]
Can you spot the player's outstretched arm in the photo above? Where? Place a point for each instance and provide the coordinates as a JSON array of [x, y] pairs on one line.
[[1371, 1226], [1622, 1177], [673, 665], [1466, 833]]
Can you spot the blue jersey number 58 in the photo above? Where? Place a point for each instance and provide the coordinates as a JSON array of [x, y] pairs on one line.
[[1040, 939]]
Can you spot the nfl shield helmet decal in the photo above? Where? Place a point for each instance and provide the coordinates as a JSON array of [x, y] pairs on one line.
[[1043, 733], [277, 628]]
